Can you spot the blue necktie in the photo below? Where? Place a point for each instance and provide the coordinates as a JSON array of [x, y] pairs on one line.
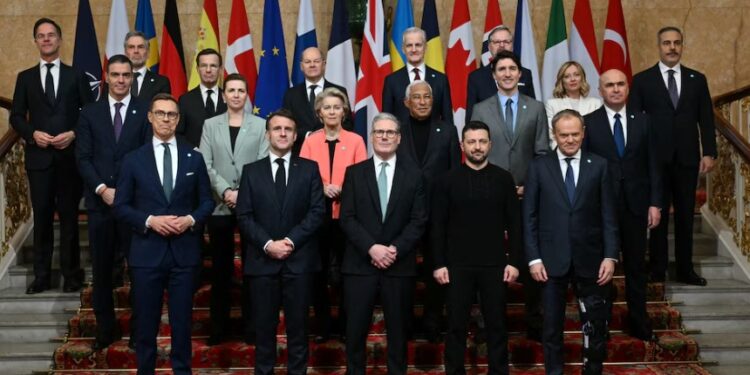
[[570, 181], [383, 188], [619, 136]]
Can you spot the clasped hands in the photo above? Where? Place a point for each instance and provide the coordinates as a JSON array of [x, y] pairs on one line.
[[442, 276], [170, 225], [230, 198], [606, 272], [382, 256], [60, 141], [280, 249]]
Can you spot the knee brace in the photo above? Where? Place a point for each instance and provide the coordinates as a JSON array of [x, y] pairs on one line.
[[595, 315]]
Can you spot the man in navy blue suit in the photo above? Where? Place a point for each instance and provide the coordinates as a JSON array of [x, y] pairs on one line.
[[107, 130], [164, 195], [280, 207]]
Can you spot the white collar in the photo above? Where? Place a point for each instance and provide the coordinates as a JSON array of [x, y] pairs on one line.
[[43, 63], [562, 156], [125, 100], [157, 142], [664, 68], [378, 160], [611, 112]]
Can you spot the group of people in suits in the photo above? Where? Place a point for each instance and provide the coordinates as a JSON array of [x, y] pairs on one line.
[[313, 210]]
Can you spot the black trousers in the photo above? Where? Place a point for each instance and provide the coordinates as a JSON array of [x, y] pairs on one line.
[[331, 247], [397, 298], [633, 233], [269, 293], [57, 188], [680, 183], [464, 285]]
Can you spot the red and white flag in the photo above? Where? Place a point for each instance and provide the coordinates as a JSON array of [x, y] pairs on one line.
[[240, 57], [615, 52], [374, 66], [460, 59], [118, 28], [582, 44], [492, 20]]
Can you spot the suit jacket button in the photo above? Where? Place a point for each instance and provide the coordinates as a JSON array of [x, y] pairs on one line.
[[232, 162]]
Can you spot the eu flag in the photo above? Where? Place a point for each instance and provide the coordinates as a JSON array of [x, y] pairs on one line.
[[86, 52], [273, 75]]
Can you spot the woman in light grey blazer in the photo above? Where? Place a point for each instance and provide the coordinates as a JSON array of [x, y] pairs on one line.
[[229, 141], [571, 92]]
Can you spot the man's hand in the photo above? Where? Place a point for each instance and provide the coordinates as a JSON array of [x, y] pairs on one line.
[[108, 196], [707, 164], [230, 198], [332, 191], [279, 249], [181, 224], [519, 191], [606, 271], [63, 140], [538, 272], [654, 217], [163, 224], [511, 274], [382, 256], [441, 275], [42, 139]]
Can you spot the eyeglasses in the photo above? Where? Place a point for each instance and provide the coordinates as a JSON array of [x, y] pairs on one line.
[[385, 133], [161, 115], [499, 42]]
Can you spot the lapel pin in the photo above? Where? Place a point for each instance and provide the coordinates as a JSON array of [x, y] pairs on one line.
[[691, 75], [188, 154], [152, 80], [343, 148], [588, 161], [433, 75], [134, 111], [524, 107], [632, 116], [437, 130]]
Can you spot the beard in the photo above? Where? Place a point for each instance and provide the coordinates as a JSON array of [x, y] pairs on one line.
[[476, 160]]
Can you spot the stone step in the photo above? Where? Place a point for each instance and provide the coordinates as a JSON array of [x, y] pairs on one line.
[[703, 244], [23, 275], [720, 318], [722, 369], [23, 358], [725, 348], [25, 327], [711, 267], [717, 292], [26, 254], [15, 300]]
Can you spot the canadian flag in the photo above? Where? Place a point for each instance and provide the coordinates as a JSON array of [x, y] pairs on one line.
[[583, 44], [615, 52], [240, 57], [492, 20], [460, 60]]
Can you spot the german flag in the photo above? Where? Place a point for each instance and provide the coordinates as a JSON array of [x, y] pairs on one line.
[[172, 63]]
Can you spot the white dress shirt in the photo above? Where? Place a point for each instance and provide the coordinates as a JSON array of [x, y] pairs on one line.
[[159, 156], [141, 76], [274, 166], [422, 72], [55, 73], [677, 76], [318, 89], [214, 96], [623, 120], [389, 171]]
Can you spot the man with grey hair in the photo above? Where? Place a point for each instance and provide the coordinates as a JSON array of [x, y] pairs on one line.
[[383, 217], [482, 84], [146, 83], [414, 44]]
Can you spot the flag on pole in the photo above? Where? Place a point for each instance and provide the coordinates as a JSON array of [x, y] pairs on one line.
[[461, 59], [172, 63], [492, 19], [144, 22], [240, 57], [208, 37], [523, 42], [433, 56], [403, 19], [306, 38], [273, 76], [615, 52], [340, 61], [86, 50], [556, 52], [116, 32], [583, 44], [374, 66]]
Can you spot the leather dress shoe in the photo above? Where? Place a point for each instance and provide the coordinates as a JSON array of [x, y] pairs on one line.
[[72, 285], [644, 335], [37, 286], [534, 334], [216, 339], [691, 278], [101, 344], [131, 341]]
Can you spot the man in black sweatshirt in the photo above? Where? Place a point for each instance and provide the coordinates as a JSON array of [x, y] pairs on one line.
[[473, 205]]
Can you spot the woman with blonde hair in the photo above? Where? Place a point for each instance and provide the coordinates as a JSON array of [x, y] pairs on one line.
[[571, 90]]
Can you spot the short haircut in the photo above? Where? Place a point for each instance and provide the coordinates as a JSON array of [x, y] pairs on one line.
[[386, 116], [119, 59], [332, 92], [504, 54], [44, 20], [417, 82], [499, 29], [668, 28], [566, 114], [235, 77], [413, 30], [559, 90], [281, 112], [206, 52], [162, 96], [132, 34], [476, 125]]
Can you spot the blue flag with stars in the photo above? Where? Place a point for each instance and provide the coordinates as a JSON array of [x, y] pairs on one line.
[[273, 74]]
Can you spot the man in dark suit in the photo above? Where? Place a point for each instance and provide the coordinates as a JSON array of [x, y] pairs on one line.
[[204, 101], [570, 233], [482, 85], [383, 216], [300, 99], [164, 196], [106, 131], [677, 100], [279, 209], [625, 139], [432, 145], [414, 45], [146, 83], [46, 104]]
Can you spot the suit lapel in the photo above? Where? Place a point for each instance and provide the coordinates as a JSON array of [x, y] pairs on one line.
[[154, 172], [184, 156], [583, 177], [685, 85], [501, 118], [291, 180], [372, 185], [268, 177], [520, 118], [553, 164], [601, 126], [396, 188], [409, 139], [240, 136]]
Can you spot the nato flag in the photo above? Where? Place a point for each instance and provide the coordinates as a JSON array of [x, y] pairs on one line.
[[86, 51]]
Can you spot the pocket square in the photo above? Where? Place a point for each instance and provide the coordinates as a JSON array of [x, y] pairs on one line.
[[189, 173]]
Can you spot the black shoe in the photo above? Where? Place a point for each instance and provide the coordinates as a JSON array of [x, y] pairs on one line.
[[534, 334], [691, 278], [38, 286], [101, 344], [249, 338], [131, 341], [643, 335], [72, 285], [215, 339]]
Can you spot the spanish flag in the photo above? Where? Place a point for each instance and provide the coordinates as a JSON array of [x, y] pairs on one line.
[[208, 37]]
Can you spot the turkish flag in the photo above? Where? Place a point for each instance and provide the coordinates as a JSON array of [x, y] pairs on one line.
[[615, 52]]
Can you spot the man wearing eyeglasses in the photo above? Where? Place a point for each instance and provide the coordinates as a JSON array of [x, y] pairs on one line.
[[204, 101], [46, 104], [164, 196], [107, 130], [383, 216]]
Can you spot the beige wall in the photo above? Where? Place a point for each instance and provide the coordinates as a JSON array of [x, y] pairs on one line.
[[717, 40]]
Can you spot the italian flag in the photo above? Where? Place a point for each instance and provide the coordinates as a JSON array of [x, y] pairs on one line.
[[556, 52]]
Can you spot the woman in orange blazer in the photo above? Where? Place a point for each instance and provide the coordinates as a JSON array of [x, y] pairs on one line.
[[334, 149]]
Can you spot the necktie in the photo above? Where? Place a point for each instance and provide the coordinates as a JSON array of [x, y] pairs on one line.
[[672, 88], [49, 83], [416, 74], [210, 106], [134, 86], [383, 188], [509, 115], [311, 97], [167, 177], [280, 180], [619, 136], [118, 121], [570, 181]]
